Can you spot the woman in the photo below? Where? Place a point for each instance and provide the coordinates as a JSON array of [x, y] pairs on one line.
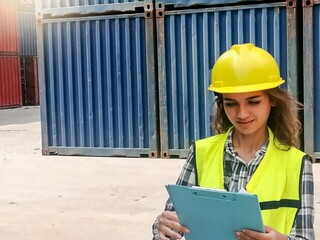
[[256, 148]]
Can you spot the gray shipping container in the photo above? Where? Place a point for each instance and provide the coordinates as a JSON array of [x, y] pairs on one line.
[[190, 41], [97, 85], [27, 34]]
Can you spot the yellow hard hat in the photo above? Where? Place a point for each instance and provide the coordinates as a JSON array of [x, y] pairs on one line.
[[245, 68]]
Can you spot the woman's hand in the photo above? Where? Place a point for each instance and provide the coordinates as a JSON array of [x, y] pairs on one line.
[[269, 234], [169, 226]]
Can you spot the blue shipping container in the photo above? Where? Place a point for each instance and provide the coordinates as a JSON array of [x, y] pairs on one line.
[[27, 34], [311, 73], [97, 89], [192, 41], [84, 7]]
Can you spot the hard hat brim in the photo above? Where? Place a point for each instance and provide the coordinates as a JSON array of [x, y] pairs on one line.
[[246, 88]]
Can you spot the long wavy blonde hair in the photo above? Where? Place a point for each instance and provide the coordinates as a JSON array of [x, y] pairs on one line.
[[283, 119]]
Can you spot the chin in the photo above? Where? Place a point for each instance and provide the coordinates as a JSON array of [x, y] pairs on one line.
[[246, 131]]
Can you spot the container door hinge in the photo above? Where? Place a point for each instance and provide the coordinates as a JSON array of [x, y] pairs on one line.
[[160, 10], [148, 10], [291, 3], [38, 18], [307, 3]]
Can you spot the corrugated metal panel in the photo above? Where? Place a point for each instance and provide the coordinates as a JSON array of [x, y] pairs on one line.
[[98, 97], [67, 7], [68, 3], [311, 77], [27, 6], [29, 80], [316, 55], [195, 3], [27, 34], [10, 86], [192, 41], [8, 27]]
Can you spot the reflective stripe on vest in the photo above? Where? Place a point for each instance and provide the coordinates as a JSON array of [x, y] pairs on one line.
[[276, 181]]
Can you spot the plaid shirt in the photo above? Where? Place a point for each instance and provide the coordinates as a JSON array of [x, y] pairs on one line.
[[236, 176]]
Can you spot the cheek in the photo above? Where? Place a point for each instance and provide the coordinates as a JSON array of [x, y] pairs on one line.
[[265, 111], [230, 112], [226, 110]]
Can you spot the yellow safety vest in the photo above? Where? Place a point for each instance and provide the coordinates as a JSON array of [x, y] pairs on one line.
[[276, 181]]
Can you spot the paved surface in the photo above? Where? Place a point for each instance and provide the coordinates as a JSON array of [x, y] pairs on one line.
[[67, 198]]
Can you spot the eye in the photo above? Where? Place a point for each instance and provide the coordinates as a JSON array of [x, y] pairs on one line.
[[230, 104], [254, 102]]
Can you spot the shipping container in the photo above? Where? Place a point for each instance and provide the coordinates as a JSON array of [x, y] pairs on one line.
[[27, 34], [29, 80], [10, 85], [97, 85], [190, 41], [8, 28], [311, 77], [170, 4], [27, 6], [58, 8]]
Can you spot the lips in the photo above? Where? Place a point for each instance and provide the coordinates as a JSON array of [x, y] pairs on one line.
[[244, 122]]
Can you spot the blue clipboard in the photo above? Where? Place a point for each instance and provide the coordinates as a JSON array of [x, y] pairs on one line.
[[213, 214]]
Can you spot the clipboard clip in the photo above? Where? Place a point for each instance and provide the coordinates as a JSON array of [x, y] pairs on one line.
[[210, 193]]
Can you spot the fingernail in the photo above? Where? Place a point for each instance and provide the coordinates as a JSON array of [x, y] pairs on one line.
[[178, 236], [237, 235]]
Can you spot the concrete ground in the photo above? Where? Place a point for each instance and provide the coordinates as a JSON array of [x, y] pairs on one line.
[[66, 198]]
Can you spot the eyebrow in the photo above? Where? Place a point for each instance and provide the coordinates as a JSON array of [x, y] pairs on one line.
[[249, 98]]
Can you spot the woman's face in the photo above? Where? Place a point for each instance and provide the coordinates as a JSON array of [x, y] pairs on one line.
[[248, 112]]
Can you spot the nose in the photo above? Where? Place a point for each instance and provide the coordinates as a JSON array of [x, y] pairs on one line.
[[243, 111]]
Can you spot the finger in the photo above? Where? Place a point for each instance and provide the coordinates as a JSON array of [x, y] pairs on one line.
[[241, 236], [274, 234], [170, 215], [165, 225], [247, 234], [169, 226], [171, 220], [168, 233], [164, 237], [268, 229]]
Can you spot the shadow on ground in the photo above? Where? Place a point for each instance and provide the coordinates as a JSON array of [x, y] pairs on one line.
[[13, 116]]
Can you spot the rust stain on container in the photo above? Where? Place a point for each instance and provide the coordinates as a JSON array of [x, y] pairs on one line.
[[29, 80], [10, 86]]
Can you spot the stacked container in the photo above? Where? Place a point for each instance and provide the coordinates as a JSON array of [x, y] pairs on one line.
[[97, 78], [311, 77], [130, 78], [10, 87], [191, 36], [28, 53]]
